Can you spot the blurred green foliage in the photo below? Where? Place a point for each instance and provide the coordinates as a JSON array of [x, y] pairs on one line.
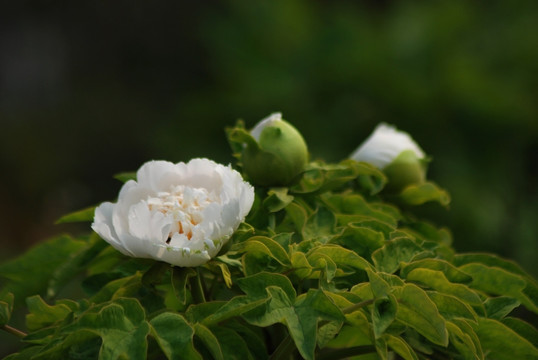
[[90, 89]]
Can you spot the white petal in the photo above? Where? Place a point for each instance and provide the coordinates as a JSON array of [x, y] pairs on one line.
[[268, 121], [384, 145], [102, 223], [202, 173], [154, 173]]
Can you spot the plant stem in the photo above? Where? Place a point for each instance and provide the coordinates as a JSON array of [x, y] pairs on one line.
[[13, 331], [332, 354], [357, 306], [284, 350], [197, 288]]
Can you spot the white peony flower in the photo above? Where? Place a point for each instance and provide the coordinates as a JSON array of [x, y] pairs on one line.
[[384, 145], [181, 213]]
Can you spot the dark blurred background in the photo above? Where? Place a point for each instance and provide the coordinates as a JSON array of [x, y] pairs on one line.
[[89, 89]]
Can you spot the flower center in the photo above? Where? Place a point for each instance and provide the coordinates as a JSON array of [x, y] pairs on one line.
[[184, 205]]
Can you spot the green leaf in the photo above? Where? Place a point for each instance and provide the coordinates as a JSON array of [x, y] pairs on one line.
[[383, 314], [179, 279], [363, 291], [6, 307], [226, 275], [498, 307], [255, 340], [462, 342], [357, 208], [300, 316], [174, 336], [452, 273], [74, 264], [394, 252], [451, 307], [233, 346], [41, 262], [298, 216], [209, 340], [267, 246], [465, 326], [320, 225], [380, 288], [237, 136], [323, 268], [426, 232], [319, 177], [361, 240], [497, 281], [392, 280], [369, 177], [277, 199], [421, 193], [489, 260], [77, 344], [199, 312], [243, 232], [122, 329], [117, 288], [400, 347], [235, 307], [300, 264], [42, 315], [417, 310], [255, 286], [155, 273], [85, 214], [120, 325], [125, 176], [342, 257], [436, 280], [523, 329], [529, 294], [109, 260], [352, 337], [256, 262], [382, 349], [368, 222], [26, 353], [94, 283], [383, 311], [327, 332], [303, 327], [501, 342]]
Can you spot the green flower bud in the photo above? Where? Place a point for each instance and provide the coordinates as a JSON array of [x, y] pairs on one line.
[[397, 154], [277, 155], [405, 170]]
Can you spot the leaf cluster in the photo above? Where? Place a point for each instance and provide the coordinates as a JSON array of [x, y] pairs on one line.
[[330, 267]]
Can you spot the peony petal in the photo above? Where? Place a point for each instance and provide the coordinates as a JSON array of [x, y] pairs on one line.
[[102, 223], [257, 130], [156, 174], [384, 145], [203, 173]]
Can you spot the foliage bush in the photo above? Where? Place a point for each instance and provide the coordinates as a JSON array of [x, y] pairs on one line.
[[332, 266]]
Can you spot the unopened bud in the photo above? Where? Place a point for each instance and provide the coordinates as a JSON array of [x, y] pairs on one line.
[[396, 153], [280, 155]]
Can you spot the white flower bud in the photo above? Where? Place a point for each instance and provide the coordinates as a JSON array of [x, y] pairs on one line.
[[280, 155], [396, 153]]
